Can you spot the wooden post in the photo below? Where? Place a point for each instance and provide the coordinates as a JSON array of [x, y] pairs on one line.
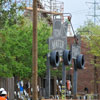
[[34, 53]]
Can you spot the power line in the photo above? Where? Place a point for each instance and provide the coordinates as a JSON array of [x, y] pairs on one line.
[[94, 15]]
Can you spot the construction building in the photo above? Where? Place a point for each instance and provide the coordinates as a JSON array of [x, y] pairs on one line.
[[45, 8]]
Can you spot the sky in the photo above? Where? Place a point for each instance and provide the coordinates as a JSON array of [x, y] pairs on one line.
[[79, 9]]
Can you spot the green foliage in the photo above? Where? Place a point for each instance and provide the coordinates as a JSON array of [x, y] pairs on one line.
[[93, 40], [56, 72], [43, 34], [16, 49], [9, 11]]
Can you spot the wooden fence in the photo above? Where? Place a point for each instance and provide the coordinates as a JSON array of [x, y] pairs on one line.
[[8, 85]]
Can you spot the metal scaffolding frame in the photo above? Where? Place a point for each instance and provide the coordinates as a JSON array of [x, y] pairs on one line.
[[46, 5]]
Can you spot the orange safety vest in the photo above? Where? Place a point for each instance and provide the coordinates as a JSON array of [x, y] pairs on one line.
[[2, 98], [68, 84]]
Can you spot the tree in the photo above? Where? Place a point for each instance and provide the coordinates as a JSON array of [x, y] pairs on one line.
[[91, 32], [93, 42], [9, 10], [16, 49]]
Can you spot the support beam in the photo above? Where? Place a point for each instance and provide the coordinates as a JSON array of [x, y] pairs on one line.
[[44, 11], [75, 80], [63, 81], [48, 78]]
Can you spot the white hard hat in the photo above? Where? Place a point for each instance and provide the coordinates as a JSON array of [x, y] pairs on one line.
[[4, 92], [1, 89]]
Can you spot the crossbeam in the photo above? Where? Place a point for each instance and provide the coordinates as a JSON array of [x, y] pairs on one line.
[[44, 11]]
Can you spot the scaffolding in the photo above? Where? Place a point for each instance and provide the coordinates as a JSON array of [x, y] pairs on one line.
[[47, 6], [53, 6]]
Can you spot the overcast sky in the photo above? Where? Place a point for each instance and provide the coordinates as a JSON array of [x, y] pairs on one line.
[[79, 10]]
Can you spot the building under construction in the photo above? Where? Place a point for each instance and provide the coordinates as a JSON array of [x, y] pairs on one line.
[[45, 8]]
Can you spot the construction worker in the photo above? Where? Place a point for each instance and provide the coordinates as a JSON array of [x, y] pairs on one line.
[[3, 95], [68, 85], [1, 89]]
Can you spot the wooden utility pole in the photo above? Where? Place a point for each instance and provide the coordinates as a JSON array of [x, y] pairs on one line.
[[34, 53]]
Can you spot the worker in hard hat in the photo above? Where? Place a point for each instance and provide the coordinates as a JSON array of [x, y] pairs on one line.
[[3, 95], [1, 89]]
